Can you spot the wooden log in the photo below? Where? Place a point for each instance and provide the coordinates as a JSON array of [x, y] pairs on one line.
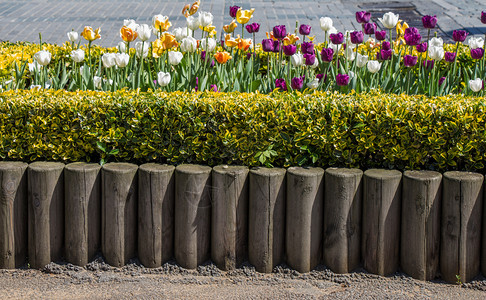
[[155, 214], [266, 215], [342, 219], [192, 231], [13, 214], [462, 202], [420, 237], [381, 221], [46, 212], [82, 211], [305, 197], [229, 218], [119, 212]]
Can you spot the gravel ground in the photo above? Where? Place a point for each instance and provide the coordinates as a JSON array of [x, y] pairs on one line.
[[98, 280]]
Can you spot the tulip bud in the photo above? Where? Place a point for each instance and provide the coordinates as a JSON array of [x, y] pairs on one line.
[[163, 79], [304, 29], [73, 36], [476, 85], [43, 57], [326, 23], [77, 55], [389, 20]]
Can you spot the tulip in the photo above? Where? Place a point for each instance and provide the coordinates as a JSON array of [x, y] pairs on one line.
[[428, 64], [441, 80], [342, 79], [122, 47], [409, 60], [267, 45], [380, 35], [369, 28], [477, 53], [429, 22], [310, 59], [289, 50], [34, 67], [142, 49], [421, 47], [128, 34], [361, 60], [297, 83], [389, 20], [213, 88], [459, 35], [337, 38], [230, 42], [208, 44], [290, 39], [108, 60], [205, 19], [189, 44], [483, 17], [326, 24], [163, 79], [130, 23], [475, 42], [363, 17], [77, 55], [161, 23], [436, 42], [304, 29], [222, 57], [297, 60], [91, 35], [181, 32], [476, 85], [122, 59], [276, 47], [243, 44], [97, 82], [192, 23], [175, 57], [243, 16], [307, 48], [281, 84], [412, 36], [327, 54], [321, 77], [373, 66], [165, 42], [231, 27], [279, 31], [144, 32], [43, 57], [314, 84], [253, 27], [233, 11], [450, 56], [190, 10], [436, 53], [385, 45], [357, 37], [349, 52], [73, 36]]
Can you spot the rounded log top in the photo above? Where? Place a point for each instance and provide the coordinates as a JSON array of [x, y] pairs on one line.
[[40, 166], [120, 167], [193, 169], [237, 170], [82, 166], [156, 168], [267, 172], [306, 171], [383, 174], [422, 175], [344, 172], [463, 176], [12, 165]]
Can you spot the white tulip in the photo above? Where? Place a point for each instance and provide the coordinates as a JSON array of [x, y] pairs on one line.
[[205, 19], [436, 42], [373, 66], [389, 20], [77, 55], [436, 53], [35, 87], [331, 31], [475, 42], [157, 19], [97, 82], [140, 50], [122, 59], [326, 23], [361, 60], [43, 57], [316, 64], [181, 32], [189, 44], [163, 78], [73, 36], [476, 85], [192, 23], [130, 23], [122, 47], [108, 60], [350, 54], [34, 67], [313, 84], [144, 32], [175, 57], [297, 60], [208, 44]]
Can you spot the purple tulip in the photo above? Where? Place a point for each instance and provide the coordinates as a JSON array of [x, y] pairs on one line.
[[233, 11], [310, 59], [363, 17], [327, 54], [450, 56], [304, 29], [459, 35], [421, 47], [385, 46], [369, 28], [253, 27], [337, 38], [249, 55], [384, 55], [289, 50], [297, 83], [279, 31], [380, 35], [477, 53], [409, 60], [212, 63], [203, 55], [429, 22], [281, 84], [357, 37], [276, 46], [196, 87], [321, 77], [412, 36], [307, 48], [483, 17], [441, 80], [342, 79], [429, 64], [267, 45], [213, 88]]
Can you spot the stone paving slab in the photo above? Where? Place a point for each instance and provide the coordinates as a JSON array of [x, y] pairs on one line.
[[24, 20]]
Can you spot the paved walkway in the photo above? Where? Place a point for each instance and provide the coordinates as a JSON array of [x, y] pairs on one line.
[[23, 20]]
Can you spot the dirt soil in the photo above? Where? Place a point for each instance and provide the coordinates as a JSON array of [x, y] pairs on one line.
[[98, 280]]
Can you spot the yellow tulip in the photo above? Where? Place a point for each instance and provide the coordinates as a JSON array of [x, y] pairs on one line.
[[161, 23], [128, 34], [91, 35], [222, 57], [401, 31], [230, 42], [208, 28], [165, 42], [290, 39], [231, 27], [243, 16]]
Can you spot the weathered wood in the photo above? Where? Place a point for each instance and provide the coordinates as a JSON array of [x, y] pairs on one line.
[[82, 211], [229, 218], [13, 214], [119, 212], [342, 219], [381, 221], [46, 212], [305, 203], [462, 202], [192, 231], [420, 237], [266, 217], [155, 214]]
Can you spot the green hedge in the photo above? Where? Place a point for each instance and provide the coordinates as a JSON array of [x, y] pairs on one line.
[[321, 129]]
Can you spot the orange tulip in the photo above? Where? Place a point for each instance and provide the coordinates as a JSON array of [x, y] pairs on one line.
[[128, 34], [231, 27], [189, 10], [230, 42], [243, 44], [91, 35], [270, 36], [222, 57]]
